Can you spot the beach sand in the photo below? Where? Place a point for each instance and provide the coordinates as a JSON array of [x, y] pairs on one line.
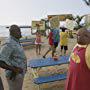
[[30, 53]]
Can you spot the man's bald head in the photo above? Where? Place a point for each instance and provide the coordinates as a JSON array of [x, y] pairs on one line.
[[15, 31], [83, 36], [13, 27]]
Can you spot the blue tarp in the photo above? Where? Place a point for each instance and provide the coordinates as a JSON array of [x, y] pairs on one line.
[[57, 77], [35, 63]]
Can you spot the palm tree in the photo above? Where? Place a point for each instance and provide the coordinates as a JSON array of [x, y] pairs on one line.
[[87, 2]]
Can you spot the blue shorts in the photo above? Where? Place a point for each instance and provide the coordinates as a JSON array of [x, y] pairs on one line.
[[55, 44]]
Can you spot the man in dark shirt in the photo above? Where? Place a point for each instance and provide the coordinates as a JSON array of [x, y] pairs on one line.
[[13, 59]]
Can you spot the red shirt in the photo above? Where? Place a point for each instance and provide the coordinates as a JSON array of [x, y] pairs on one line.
[[79, 74], [51, 38]]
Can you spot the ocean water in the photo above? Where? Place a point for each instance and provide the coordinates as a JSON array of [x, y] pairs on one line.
[[4, 32]]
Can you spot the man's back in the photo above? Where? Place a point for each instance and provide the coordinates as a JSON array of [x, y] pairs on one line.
[[56, 36]]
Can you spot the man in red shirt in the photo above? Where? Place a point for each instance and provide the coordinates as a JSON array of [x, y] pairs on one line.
[[50, 37], [79, 69]]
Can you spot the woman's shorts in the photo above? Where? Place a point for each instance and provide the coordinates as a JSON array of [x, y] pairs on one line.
[[64, 47], [37, 43]]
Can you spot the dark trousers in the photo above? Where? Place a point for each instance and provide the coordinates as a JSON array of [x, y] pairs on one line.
[[1, 84]]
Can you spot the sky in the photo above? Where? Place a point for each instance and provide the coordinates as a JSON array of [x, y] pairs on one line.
[[22, 12]]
